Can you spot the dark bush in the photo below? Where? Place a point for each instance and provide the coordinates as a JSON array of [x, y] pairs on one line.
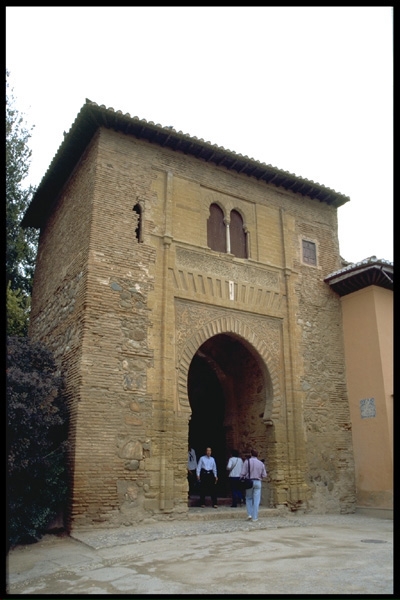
[[37, 431]]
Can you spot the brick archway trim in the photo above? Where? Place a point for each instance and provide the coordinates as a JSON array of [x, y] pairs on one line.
[[225, 324]]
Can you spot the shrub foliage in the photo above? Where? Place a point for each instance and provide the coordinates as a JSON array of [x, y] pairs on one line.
[[21, 243], [37, 431]]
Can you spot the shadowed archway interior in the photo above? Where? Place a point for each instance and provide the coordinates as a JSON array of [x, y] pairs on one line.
[[227, 389]]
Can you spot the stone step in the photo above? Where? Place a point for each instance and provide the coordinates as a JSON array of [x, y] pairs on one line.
[[195, 501], [196, 513]]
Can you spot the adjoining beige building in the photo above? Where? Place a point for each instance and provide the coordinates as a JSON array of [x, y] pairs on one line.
[[366, 291], [181, 287]]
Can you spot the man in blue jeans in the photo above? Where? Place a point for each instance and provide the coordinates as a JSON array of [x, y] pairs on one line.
[[255, 470]]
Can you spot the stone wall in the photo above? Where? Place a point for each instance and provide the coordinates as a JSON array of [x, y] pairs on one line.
[[126, 314]]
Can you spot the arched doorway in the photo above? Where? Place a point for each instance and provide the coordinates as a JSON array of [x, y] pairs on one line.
[[228, 389]]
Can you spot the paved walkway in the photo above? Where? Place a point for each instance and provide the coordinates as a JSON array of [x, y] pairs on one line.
[[213, 552]]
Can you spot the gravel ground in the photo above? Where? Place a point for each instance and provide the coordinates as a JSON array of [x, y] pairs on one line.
[[214, 554], [156, 530]]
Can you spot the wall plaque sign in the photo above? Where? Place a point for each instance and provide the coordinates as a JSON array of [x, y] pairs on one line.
[[367, 408]]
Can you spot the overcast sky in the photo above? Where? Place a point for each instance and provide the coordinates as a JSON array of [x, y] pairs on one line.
[[307, 90]]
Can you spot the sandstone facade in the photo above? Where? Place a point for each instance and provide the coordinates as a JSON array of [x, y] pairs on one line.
[[161, 337]]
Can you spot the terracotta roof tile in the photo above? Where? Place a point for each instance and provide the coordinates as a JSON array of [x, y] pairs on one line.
[[92, 116]]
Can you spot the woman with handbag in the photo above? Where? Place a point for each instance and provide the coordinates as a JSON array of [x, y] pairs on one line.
[[254, 470], [234, 467]]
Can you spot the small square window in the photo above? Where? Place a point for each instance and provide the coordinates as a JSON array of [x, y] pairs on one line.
[[309, 253]]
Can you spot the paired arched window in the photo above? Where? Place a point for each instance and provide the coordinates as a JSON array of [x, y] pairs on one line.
[[237, 235], [216, 235], [226, 236]]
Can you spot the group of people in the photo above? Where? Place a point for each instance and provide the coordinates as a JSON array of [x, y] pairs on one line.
[[204, 473]]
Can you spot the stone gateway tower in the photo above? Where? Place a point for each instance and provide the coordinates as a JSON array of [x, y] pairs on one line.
[[181, 288]]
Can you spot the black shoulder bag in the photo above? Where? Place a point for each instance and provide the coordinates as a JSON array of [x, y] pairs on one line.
[[246, 481]]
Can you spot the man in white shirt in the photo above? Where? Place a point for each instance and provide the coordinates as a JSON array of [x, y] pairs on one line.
[[207, 475]]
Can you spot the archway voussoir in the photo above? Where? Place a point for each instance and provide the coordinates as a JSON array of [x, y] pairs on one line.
[[212, 328], [193, 346]]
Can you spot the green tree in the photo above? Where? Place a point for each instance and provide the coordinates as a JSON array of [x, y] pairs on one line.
[[17, 306], [36, 440], [21, 244]]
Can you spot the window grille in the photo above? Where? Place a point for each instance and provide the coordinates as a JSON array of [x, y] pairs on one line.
[[309, 253]]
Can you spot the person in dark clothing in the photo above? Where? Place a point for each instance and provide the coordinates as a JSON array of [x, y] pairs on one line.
[[191, 469], [207, 475]]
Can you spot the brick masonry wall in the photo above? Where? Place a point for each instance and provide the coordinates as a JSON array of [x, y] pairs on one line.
[[125, 317], [60, 283]]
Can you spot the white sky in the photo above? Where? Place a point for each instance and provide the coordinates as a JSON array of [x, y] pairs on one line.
[[307, 90]]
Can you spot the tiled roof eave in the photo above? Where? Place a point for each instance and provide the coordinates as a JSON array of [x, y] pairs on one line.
[[347, 282], [92, 116], [353, 268]]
